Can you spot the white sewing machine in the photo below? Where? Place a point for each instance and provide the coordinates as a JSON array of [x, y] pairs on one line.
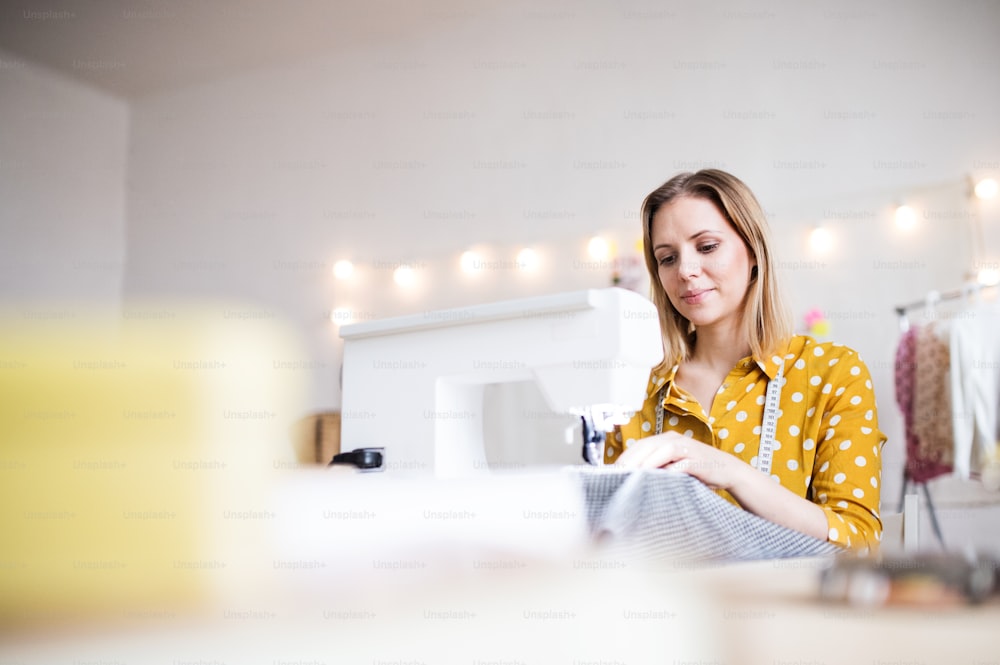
[[414, 384]]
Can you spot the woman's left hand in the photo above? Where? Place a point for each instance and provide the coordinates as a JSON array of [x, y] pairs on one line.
[[714, 467]]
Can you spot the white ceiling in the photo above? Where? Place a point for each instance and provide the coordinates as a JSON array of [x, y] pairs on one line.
[[133, 48]]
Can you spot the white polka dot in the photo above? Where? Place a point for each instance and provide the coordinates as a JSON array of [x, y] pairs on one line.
[[808, 480], [609, 452], [796, 397], [777, 444], [868, 384], [756, 430], [834, 362], [794, 430], [711, 421], [776, 360], [738, 448], [841, 504], [869, 414], [845, 444], [829, 434], [874, 481], [811, 411], [723, 433], [673, 420], [646, 426], [689, 434], [815, 381], [858, 493], [741, 416], [853, 528], [866, 430], [875, 450], [818, 351], [840, 478], [826, 465], [629, 442], [827, 388], [840, 391], [855, 400], [760, 400], [823, 498], [750, 387], [860, 461], [808, 444], [793, 465], [834, 421], [834, 534], [799, 364], [618, 436], [731, 405], [855, 370]]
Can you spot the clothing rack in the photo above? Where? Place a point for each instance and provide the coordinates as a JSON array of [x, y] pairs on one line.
[[931, 299]]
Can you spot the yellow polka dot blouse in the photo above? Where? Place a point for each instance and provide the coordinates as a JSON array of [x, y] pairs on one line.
[[827, 446]]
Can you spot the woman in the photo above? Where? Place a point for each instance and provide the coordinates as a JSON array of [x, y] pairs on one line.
[[728, 351]]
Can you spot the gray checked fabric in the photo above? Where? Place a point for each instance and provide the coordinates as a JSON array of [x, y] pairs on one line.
[[659, 514]]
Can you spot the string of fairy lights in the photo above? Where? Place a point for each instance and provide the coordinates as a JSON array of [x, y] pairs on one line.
[[906, 218], [598, 253], [601, 252]]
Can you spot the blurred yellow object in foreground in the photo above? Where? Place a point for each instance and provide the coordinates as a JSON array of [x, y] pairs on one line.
[[135, 455]]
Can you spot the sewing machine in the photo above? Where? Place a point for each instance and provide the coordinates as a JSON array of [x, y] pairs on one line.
[[414, 385]]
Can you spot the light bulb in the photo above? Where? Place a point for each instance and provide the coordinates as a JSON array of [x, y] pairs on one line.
[[343, 269], [987, 188], [471, 262], [598, 248], [821, 239], [404, 276], [527, 259], [906, 217], [988, 276]]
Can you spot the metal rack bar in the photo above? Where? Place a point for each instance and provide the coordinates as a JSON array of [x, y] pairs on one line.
[[963, 292]]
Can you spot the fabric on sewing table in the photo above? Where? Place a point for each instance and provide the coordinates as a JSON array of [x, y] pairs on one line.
[[659, 514]]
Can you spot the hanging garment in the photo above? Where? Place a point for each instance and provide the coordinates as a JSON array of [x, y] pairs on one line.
[[975, 387], [932, 411], [905, 375]]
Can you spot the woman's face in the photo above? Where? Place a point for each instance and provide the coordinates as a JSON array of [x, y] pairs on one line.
[[703, 264]]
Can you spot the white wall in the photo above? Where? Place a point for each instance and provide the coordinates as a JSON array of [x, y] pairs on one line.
[[62, 188], [501, 127]]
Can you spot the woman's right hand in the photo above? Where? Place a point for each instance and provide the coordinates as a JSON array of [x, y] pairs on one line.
[[714, 467]]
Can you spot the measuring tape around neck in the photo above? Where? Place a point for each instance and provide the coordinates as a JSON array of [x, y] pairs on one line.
[[768, 426]]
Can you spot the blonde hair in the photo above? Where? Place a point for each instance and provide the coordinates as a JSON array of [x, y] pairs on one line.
[[766, 320]]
